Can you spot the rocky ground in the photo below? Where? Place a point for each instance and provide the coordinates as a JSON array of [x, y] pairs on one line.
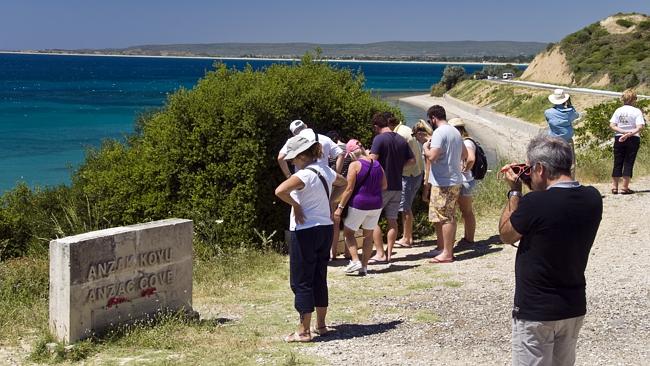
[[470, 321]]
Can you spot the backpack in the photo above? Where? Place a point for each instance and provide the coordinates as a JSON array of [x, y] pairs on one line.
[[480, 164]]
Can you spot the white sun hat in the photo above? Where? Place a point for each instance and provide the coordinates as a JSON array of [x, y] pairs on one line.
[[296, 145], [558, 96]]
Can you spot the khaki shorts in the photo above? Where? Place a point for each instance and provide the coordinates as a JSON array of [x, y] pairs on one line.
[[442, 203]]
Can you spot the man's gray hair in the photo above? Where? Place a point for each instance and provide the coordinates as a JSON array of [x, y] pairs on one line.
[[553, 153]]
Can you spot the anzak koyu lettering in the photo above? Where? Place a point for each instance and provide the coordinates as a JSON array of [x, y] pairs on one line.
[[107, 268]]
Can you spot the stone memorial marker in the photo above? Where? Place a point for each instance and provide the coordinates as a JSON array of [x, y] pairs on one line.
[[109, 277]]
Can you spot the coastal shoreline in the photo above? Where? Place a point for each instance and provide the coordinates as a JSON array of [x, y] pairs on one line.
[[255, 58]]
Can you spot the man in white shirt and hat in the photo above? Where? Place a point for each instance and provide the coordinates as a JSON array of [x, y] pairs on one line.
[[330, 148]]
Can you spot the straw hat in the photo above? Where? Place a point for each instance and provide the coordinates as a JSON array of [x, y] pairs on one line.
[[456, 122], [558, 97]]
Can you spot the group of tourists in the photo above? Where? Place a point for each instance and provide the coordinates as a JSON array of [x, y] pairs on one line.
[[555, 224], [385, 178]]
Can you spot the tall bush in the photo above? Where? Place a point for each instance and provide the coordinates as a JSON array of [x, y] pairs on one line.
[[594, 131], [210, 153]]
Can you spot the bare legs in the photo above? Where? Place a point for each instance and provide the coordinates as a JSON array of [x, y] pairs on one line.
[[465, 204], [626, 183], [407, 236], [391, 236], [351, 243], [447, 231]]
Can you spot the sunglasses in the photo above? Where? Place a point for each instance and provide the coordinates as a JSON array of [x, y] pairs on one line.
[[522, 171]]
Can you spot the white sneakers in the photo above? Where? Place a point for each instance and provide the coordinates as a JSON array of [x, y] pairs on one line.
[[355, 266]]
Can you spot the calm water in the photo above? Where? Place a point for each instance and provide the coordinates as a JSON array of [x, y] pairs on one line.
[[52, 107]]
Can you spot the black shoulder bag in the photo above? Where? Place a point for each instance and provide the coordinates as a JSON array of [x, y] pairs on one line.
[[322, 180]]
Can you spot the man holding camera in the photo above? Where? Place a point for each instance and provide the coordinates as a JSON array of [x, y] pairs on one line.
[[555, 224]]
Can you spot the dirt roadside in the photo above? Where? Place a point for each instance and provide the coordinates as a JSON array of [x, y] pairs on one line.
[[469, 321]]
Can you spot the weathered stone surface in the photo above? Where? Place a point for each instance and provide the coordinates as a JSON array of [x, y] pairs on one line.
[[108, 277]]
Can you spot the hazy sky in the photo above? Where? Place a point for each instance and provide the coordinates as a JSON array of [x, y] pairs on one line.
[[37, 24]]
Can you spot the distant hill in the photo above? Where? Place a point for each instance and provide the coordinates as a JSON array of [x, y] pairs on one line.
[[475, 50], [612, 54]]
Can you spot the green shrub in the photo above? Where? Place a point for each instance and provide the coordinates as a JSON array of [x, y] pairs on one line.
[[594, 154], [210, 154], [30, 218], [23, 296], [593, 52], [644, 25], [594, 132], [438, 90], [625, 23]]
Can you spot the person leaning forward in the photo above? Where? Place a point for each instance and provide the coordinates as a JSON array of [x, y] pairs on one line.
[[393, 153], [330, 149], [556, 225], [310, 192]]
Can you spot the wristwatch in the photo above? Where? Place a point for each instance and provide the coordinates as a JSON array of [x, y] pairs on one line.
[[341, 207], [514, 193]]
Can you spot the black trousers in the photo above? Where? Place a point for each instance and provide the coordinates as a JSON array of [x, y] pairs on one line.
[[310, 252], [624, 156]]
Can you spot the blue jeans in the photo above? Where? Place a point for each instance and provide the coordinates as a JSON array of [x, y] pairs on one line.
[[410, 186], [309, 254]]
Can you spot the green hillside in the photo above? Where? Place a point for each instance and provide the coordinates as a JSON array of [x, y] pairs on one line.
[[618, 47]]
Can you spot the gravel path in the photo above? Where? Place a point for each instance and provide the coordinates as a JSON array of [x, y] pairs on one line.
[[473, 314]]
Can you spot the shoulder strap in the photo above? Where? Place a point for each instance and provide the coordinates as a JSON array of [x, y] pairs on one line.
[[322, 180], [365, 178]]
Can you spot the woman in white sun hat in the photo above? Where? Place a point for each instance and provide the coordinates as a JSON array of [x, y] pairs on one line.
[[309, 191], [560, 119]]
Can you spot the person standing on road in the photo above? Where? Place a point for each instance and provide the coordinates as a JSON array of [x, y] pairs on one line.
[[309, 191], [555, 224], [626, 122], [366, 181], [446, 152], [393, 153], [469, 183], [560, 120], [411, 182]]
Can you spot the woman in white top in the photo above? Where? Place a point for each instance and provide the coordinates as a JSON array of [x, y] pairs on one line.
[[469, 184], [627, 121], [309, 192]]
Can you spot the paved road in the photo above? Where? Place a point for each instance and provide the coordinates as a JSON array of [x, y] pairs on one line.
[[566, 88]]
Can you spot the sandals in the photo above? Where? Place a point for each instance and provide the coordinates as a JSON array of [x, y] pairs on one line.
[[626, 191], [614, 191], [323, 331], [296, 337]]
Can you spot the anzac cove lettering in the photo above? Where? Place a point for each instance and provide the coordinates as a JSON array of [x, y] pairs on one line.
[[107, 268], [144, 285], [105, 278]]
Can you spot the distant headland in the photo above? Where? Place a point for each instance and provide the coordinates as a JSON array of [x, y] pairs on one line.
[[438, 52]]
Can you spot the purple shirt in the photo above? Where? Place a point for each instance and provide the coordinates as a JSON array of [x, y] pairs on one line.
[[368, 196], [393, 151]]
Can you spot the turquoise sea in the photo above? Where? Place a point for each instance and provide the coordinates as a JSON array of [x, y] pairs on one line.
[[52, 107]]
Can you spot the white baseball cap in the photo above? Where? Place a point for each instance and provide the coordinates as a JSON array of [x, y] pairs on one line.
[[296, 126]]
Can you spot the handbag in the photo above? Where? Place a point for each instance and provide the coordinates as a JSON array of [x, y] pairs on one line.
[[344, 212]]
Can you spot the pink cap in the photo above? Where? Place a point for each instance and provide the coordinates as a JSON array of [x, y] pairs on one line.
[[352, 145]]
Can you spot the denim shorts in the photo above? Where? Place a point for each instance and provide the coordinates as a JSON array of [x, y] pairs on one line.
[[410, 186], [468, 188]]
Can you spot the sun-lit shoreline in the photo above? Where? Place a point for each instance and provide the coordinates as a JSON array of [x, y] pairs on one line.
[[259, 58]]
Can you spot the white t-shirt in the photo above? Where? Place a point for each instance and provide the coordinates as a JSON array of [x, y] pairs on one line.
[[627, 118], [313, 198], [331, 150], [467, 176]]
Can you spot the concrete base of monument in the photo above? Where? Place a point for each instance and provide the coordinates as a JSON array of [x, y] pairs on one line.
[[107, 278]]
